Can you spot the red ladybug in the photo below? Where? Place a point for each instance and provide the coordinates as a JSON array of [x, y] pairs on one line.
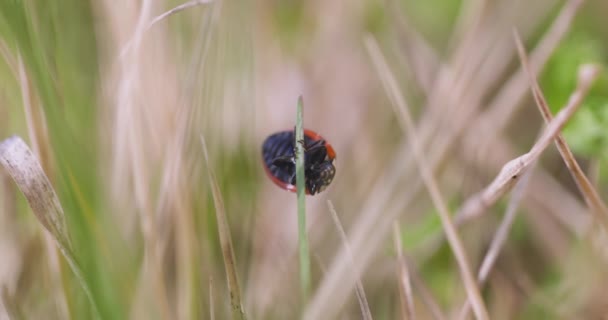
[[278, 152]]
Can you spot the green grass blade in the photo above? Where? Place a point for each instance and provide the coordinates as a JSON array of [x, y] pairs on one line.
[[302, 235]]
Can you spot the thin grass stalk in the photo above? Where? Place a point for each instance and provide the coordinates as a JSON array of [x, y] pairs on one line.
[[359, 291], [301, 199], [500, 237], [223, 228], [512, 171], [129, 45], [177, 9], [427, 296], [590, 194], [405, 119], [405, 283]]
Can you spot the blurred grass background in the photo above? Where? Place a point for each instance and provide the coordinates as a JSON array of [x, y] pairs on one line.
[[114, 109]]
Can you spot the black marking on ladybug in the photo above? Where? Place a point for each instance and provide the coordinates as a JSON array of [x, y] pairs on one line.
[[278, 152]]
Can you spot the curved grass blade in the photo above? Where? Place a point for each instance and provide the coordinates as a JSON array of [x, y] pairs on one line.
[[21, 164], [225, 242]]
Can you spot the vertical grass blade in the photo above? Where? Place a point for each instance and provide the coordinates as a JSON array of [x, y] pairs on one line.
[[405, 284], [301, 195], [225, 242]]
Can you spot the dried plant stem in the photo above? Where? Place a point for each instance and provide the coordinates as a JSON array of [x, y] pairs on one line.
[[512, 171], [137, 36], [359, 291], [590, 194], [406, 122], [405, 284], [19, 162], [301, 199], [225, 241], [426, 295], [500, 237], [375, 218], [177, 9]]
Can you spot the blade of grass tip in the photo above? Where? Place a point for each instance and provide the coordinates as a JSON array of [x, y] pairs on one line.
[[163, 16], [301, 198], [407, 124], [363, 304], [225, 241], [20, 163], [590, 194], [177, 9], [405, 285]]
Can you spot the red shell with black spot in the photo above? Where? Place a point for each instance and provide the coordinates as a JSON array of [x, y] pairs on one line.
[[278, 153]]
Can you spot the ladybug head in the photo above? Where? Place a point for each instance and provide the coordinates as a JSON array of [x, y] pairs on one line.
[[319, 168], [319, 176]]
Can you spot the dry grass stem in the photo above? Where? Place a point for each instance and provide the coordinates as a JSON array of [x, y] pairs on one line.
[[426, 295], [590, 194], [225, 241], [138, 35], [405, 120], [177, 9], [130, 151], [405, 284], [512, 171], [509, 98], [500, 237], [376, 217], [359, 291], [20, 163]]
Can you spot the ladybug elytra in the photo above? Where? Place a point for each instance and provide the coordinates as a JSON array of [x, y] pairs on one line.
[[278, 152]]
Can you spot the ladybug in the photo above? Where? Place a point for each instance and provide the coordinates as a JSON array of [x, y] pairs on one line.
[[278, 153]]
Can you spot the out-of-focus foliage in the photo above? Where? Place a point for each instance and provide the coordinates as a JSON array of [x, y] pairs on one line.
[[587, 132]]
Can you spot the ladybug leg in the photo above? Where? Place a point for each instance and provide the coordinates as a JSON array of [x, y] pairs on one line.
[[313, 189], [315, 145], [317, 153]]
